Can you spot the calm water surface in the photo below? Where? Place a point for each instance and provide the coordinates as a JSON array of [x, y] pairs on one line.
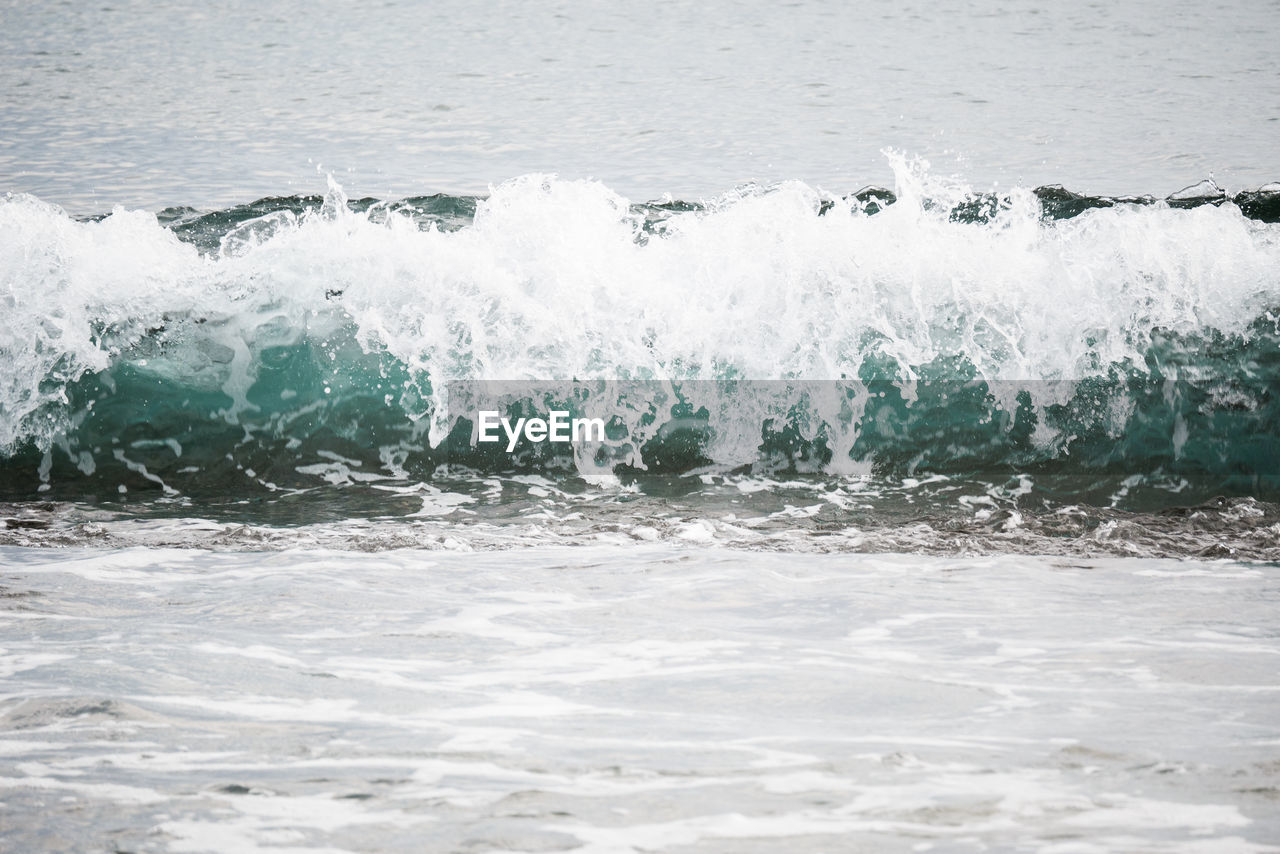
[[155, 104]]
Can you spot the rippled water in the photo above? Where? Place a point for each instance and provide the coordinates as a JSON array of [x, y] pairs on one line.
[[606, 699], [155, 104]]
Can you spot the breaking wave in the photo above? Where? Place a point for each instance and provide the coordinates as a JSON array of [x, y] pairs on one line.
[[927, 328]]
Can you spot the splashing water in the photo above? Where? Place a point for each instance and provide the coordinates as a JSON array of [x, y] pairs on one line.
[[947, 331]]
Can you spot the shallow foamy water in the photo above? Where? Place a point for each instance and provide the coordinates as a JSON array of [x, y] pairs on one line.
[[642, 698]]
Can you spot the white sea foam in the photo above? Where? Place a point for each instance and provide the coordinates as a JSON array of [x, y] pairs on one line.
[[552, 281], [635, 698]]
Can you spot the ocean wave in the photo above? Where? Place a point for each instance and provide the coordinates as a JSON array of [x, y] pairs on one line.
[[929, 327]]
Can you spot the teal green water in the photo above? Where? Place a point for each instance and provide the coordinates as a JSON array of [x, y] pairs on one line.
[[239, 354]]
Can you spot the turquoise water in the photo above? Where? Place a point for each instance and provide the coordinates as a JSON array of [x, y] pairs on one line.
[[1042, 349]]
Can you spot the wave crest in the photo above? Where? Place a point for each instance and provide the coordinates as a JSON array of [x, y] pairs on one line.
[[321, 322]]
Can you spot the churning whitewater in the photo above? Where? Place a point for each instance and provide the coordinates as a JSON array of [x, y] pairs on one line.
[[927, 330]]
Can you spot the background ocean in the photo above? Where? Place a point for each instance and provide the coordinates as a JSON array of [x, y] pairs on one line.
[[937, 349]]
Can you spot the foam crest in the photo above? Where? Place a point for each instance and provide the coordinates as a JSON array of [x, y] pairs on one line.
[[75, 295], [565, 281]]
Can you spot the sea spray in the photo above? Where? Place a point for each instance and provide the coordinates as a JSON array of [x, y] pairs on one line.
[[773, 326]]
